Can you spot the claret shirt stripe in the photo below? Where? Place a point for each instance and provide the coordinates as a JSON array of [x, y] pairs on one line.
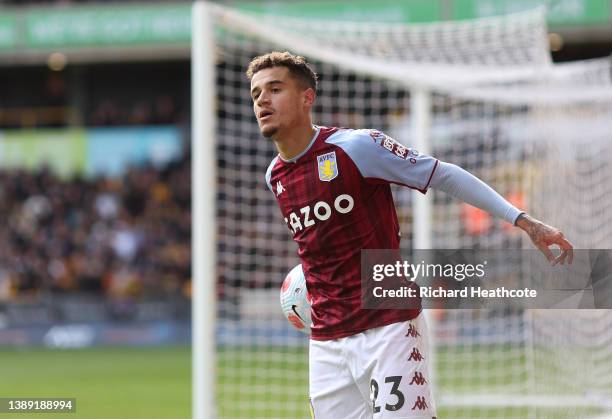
[[333, 220]]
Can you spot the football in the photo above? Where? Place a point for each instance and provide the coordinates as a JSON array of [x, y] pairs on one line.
[[295, 300]]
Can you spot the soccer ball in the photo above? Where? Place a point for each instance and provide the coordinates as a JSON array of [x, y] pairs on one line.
[[295, 300]]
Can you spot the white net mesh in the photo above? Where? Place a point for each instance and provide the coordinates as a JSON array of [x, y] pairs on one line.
[[497, 49], [548, 157], [534, 131]]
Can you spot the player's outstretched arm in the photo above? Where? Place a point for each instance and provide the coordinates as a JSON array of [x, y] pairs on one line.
[[543, 236], [384, 158], [468, 188]]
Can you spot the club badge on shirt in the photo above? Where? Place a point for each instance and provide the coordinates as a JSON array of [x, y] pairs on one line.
[[328, 167]]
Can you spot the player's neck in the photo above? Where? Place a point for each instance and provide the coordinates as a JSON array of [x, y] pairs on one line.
[[291, 145]]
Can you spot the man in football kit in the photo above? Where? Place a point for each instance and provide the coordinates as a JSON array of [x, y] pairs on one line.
[[333, 189]]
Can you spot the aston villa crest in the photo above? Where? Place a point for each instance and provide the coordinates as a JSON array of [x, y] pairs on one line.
[[328, 167]]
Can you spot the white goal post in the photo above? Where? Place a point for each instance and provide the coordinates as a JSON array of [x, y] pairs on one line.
[[204, 186], [483, 94]]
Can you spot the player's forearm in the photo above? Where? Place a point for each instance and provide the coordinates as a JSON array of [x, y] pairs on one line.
[[462, 185]]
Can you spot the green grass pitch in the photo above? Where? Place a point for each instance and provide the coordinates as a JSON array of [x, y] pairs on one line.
[[118, 383], [151, 383]]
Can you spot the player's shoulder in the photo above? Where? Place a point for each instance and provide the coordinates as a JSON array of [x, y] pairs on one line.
[[355, 139], [269, 172]]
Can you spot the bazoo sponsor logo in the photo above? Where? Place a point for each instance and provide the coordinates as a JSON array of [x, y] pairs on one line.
[[320, 211]]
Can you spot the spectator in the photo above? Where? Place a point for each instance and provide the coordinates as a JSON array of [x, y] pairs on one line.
[[130, 239]]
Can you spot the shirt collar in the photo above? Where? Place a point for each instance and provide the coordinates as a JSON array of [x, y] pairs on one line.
[[296, 158]]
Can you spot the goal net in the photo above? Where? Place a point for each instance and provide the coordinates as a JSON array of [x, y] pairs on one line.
[[481, 94], [543, 145]]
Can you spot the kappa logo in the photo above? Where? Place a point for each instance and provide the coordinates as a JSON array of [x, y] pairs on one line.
[[328, 167], [418, 379], [412, 332], [416, 355], [420, 403], [279, 188]]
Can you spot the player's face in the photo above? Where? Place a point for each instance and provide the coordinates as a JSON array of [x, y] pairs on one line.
[[279, 101]]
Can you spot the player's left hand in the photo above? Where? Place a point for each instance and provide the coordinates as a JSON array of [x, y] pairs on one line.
[[543, 236]]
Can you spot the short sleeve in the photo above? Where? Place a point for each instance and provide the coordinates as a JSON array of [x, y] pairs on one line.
[[379, 157]]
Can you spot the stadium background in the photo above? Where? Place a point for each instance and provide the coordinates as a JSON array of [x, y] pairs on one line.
[[94, 188]]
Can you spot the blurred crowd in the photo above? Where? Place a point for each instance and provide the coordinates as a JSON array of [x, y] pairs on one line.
[[123, 238]]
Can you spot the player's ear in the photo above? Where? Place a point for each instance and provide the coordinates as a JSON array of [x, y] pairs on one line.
[[309, 97]]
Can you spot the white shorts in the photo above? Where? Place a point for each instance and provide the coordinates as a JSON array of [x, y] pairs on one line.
[[379, 373]]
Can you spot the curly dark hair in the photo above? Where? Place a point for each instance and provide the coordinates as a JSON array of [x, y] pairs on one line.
[[297, 65]]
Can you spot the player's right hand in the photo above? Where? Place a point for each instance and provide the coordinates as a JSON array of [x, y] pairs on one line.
[[543, 236]]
